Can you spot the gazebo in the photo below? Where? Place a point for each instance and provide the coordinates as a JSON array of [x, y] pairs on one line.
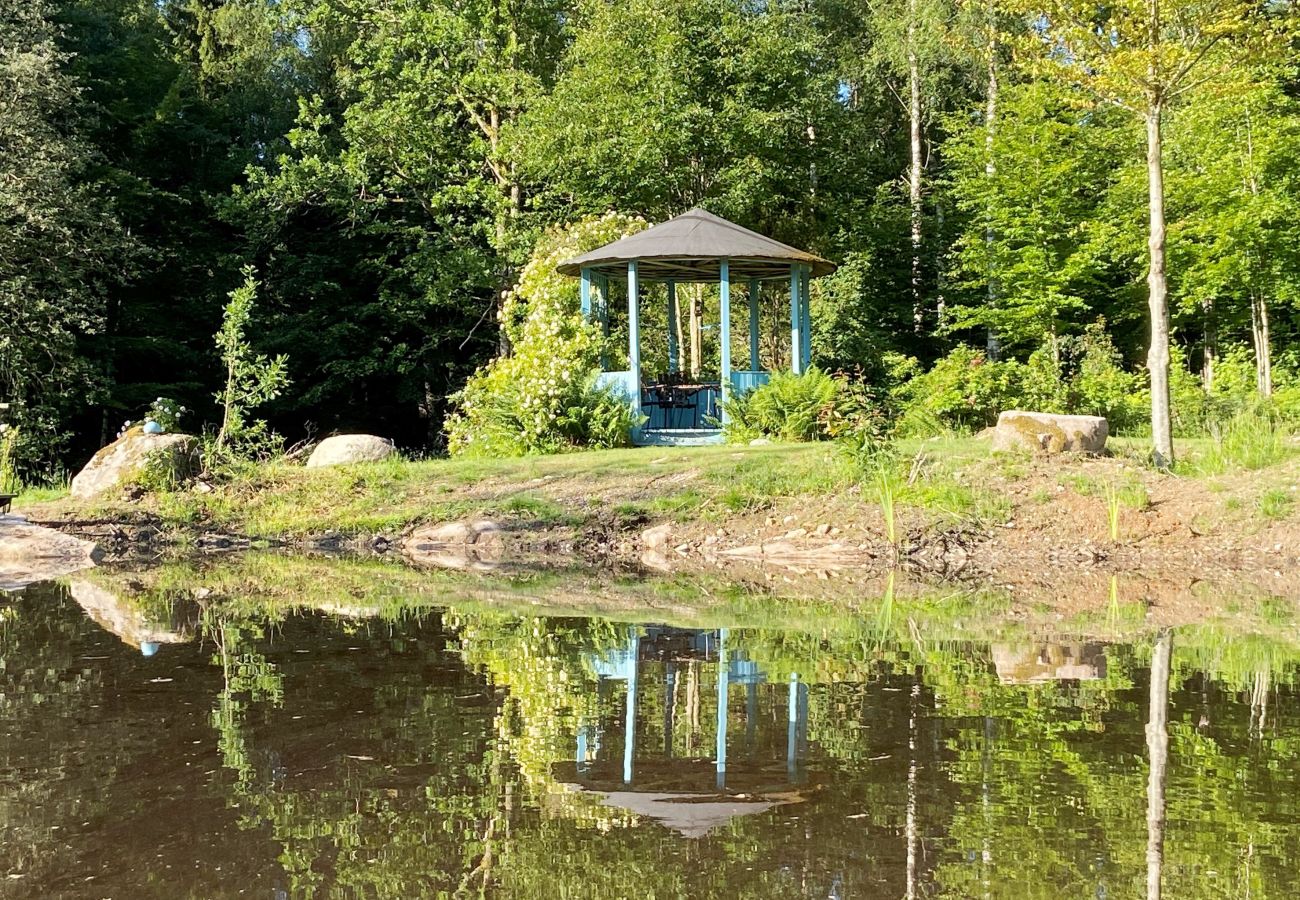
[[696, 247]]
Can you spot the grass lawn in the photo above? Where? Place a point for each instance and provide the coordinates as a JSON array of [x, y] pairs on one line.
[[957, 479]]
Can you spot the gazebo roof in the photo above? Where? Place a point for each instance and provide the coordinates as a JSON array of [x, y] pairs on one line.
[[691, 247]]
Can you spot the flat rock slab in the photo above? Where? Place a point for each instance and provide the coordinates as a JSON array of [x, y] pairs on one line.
[[31, 553], [475, 545], [1050, 433], [175, 455], [343, 449]]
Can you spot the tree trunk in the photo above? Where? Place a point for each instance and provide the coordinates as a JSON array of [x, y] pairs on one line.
[[510, 190], [1158, 296], [1258, 304], [676, 326], [1259, 703], [697, 331], [993, 343], [1210, 344], [914, 169], [1157, 760], [1260, 337], [428, 410], [940, 302], [911, 826]]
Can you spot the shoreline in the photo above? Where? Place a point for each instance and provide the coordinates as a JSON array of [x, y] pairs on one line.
[[960, 512]]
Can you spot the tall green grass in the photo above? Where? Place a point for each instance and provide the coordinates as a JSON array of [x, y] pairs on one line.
[[887, 492], [1248, 441], [1112, 509]]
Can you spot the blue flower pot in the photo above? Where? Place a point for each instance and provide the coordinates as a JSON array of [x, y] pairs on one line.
[[152, 427]]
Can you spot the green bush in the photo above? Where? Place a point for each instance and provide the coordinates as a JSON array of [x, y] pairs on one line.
[[1098, 385], [1235, 389], [543, 398], [963, 391], [8, 458], [813, 406], [503, 422]]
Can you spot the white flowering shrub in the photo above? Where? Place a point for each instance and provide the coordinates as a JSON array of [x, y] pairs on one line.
[[543, 398]]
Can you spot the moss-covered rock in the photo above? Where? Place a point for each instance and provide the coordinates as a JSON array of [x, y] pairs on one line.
[[1049, 433]]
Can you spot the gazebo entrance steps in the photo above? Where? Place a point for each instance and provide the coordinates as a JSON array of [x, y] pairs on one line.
[[677, 437]]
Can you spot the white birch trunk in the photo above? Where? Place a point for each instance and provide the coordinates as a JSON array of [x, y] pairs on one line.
[[993, 343], [914, 169], [1158, 294], [1157, 761]]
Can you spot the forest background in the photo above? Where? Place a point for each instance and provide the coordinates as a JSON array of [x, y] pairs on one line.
[[980, 170]]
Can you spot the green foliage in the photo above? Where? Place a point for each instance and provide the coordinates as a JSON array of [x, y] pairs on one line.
[[8, 445], [387, 166], [813, 406], [158, 474], [1275, 503], [964, 391], [166, 413], [663, 104], [1026, 251], [1248, 441], [61, 246], [544, 397], [252, 379]]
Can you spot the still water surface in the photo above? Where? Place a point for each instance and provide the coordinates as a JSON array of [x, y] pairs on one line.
[[179, 753]]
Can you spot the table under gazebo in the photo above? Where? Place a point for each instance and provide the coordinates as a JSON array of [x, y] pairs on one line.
[[696, 247]]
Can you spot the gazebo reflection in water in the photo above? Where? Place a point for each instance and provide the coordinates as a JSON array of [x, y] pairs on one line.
[[684, 779]]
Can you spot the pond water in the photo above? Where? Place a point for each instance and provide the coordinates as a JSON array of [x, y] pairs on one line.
[[183, 749]]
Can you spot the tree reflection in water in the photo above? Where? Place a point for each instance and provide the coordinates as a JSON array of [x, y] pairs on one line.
[[465, 752]]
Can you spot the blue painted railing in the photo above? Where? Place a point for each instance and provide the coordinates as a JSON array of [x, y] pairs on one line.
[[703, 414], [618, 382], [659, 417], [744, 382]]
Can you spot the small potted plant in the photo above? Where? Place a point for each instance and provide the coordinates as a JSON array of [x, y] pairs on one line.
[[163, 416]]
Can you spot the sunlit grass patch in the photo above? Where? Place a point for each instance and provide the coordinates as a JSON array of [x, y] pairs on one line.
[[1247, 442], [1275, 503]]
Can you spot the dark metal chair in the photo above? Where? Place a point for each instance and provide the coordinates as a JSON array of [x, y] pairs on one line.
[[681, 400]]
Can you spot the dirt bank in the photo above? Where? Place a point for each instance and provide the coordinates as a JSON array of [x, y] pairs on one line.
[[961, 512]]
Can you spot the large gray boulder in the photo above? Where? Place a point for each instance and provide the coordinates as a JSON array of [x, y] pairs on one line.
[[172, 457], [350, 448], [125, 619], [30, 553], [1050, 433]]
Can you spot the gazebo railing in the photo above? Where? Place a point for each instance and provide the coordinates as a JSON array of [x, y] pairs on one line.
[[680, 406]]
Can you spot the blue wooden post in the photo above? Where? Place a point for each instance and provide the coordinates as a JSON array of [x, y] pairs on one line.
[[796, 323], [670, 685], [629, 725], [723, 675], [791, 737], [724, 338], [584, 292], [634, 338], [806, 330], [753, 324], [673, 352]]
